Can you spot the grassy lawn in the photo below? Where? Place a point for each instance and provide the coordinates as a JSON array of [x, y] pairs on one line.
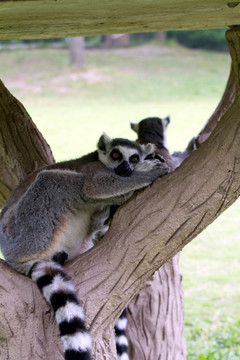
[[72, 107]]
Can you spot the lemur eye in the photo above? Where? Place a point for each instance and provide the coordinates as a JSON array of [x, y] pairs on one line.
[[116, 155], [134, 159]]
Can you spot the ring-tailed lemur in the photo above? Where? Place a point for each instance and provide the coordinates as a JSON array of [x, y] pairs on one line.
[[59, 211], [150, 130], [153, 130]]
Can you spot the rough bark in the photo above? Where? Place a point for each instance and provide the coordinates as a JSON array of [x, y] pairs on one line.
[[22, 147], [156, 314], [145, 233], [156, 317]]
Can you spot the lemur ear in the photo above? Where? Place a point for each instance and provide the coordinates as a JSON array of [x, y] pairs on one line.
[[103, 142], [148, 149], [134, 127], [165, 121]]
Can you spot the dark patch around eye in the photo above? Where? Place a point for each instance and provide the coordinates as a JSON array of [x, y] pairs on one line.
[[159, 157], [150, 157], [134, 159], [116, 155]]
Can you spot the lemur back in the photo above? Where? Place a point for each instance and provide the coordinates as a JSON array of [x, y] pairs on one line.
[[57, 213], [153, 130]]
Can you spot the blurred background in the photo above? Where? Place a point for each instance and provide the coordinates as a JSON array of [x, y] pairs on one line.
[[76, 88]]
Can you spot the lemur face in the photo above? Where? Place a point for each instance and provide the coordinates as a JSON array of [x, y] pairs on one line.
[[122, 155], [124, 159]]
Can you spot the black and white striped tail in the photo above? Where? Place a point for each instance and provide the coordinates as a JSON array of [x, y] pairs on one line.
[[120, 337], [60, 293]]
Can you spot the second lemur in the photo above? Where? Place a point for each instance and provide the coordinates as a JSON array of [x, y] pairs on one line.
[[153, 130]]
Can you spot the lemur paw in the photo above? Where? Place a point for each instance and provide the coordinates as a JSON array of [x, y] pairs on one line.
[[60, 257], [99, 234], [193, 144]]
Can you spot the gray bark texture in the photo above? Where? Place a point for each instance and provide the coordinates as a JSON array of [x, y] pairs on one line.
[[156, 317], [145, 233]]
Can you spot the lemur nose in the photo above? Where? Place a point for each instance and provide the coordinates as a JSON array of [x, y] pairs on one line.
[[124, 169]]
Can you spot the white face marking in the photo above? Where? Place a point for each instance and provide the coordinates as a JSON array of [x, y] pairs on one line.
[[126, 153]]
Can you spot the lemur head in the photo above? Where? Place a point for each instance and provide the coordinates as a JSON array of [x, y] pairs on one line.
[[153, 129], [122, 155]]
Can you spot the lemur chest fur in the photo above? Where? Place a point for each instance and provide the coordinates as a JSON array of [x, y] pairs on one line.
[[73, 235]]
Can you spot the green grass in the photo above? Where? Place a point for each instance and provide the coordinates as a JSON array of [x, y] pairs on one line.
[[72, 107], [114, 88], [211, 269]]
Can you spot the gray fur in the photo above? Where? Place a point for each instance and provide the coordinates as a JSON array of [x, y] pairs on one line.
[[154, 130], [64, 206], [179, 156]]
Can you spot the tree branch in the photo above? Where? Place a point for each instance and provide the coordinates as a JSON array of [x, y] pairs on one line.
[[19, 137], [226, 101]]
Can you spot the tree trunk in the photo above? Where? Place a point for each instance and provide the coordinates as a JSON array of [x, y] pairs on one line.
[[156, 317], [145, 233], [77, 50], [162, 36], [22, 147]]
